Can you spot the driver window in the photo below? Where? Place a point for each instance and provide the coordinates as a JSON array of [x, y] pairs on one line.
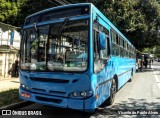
[[100, 56]]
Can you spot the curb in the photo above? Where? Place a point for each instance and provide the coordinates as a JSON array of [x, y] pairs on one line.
[[16, 105]]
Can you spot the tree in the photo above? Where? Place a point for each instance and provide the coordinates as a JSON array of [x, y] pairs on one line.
[[151, 11], [137, 19], [15, 11], [157, 51], [9, 10]]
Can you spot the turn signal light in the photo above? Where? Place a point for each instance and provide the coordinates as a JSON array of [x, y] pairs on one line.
[[25, 95], [96, 97]]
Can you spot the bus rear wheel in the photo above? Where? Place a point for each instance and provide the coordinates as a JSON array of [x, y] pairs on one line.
[[113, 89]]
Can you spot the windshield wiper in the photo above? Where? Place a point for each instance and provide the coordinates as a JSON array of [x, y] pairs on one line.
[[63, 25]]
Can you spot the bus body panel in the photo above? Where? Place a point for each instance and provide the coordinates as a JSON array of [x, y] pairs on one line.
[[55, 84], [78, 104], [103, 78], [103, 83], [48, 92], [57, 88], [115, 65], [123, 69]]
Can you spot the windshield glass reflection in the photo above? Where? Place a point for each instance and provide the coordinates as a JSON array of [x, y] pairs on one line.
[[62, 48]]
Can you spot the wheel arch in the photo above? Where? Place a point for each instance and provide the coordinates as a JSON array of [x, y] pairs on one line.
[[116, 79]]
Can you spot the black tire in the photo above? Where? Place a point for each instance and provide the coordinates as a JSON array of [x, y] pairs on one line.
[[130, 80], [113, 90]]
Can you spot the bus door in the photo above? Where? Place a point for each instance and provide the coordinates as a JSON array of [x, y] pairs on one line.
[[102, 61]]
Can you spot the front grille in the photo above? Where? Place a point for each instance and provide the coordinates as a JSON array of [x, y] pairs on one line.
[[57, 92], [37, 89], [48, 99], [50, 80]]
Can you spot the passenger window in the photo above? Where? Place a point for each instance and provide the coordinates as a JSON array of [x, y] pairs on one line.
[[105, 53]]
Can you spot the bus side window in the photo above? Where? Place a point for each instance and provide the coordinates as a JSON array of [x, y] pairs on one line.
[[100, 56], [113, 42], [105, 53]]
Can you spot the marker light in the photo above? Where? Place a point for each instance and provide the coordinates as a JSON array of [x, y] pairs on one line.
[[90, 93], [86, 9], [27, 88], [96, 97], [23, 86], [75, 94]]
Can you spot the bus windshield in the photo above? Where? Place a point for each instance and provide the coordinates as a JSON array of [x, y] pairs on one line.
[[56, 47]]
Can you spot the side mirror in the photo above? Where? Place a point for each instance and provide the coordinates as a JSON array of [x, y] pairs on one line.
[[102, 41]]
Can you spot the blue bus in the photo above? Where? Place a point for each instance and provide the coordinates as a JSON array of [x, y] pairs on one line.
[[72, 56]]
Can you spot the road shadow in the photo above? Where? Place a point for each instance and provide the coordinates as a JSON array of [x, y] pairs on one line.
[[158, 98], [139, 107], [148, 70], [156, 66], [145, 70], [55, 112], [15, 81], [156, 69]]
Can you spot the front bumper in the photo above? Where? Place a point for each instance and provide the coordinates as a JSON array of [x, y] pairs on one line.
[[87, 105]]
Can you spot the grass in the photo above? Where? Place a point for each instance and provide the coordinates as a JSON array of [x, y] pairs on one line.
[[9, 97]]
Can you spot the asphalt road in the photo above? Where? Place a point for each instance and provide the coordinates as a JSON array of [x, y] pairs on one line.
[[141, 96]]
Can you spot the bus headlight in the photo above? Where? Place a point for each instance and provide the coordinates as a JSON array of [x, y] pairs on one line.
[[81, 94], [75, 94], [24, 87]]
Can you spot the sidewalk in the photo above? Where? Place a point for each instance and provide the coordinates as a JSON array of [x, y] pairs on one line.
[[9, 83]]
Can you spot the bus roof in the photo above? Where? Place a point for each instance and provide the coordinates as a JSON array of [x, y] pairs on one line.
[[59, 7]]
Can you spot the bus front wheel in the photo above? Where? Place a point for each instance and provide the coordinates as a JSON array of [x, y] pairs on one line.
[[113, 89]]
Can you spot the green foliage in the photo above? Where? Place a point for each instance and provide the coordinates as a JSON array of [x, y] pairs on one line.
[[9, 97], [153, 50], [14, 12], [139, 20], [149, 50], [157, 51], [9, 10], [151, 11]]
